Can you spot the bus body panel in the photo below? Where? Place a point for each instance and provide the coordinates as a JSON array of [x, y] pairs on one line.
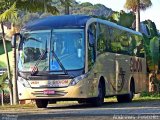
[[115, 68]]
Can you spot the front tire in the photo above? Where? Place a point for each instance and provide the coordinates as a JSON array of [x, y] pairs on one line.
[[41, 103], [98, 101]]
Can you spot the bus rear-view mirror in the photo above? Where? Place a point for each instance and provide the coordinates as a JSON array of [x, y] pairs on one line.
[[91, 38], [15, 37]]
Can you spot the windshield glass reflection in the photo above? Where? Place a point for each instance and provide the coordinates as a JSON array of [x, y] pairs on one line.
[[32, 47], [68, 45]]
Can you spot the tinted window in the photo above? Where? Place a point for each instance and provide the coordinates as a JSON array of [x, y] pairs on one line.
[[103, 42], [68, 45], [119, 41], [91, 47]]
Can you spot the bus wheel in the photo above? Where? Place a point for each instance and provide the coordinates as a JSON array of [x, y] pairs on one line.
[[127, 97], [98, 101], [41, 103]]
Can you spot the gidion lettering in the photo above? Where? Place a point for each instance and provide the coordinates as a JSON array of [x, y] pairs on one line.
[[135, 65], [60, 82]]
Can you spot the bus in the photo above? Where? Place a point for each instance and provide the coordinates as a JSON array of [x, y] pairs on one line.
[[79, 58]]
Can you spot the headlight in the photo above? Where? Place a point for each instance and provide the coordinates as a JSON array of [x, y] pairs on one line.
[[77, 79], [24, 82]]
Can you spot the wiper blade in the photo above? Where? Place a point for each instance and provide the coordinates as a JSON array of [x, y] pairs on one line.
[[35, 69], [34, 39], [59, 62], [61, 65]]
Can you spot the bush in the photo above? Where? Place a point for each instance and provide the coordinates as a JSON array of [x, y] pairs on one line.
[[6, 98], [149, 94]]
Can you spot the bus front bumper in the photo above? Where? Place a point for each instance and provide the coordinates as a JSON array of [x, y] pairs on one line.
[[70, 92]]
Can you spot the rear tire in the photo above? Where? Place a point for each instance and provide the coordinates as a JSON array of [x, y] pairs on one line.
[[41, 103], [127, 97]]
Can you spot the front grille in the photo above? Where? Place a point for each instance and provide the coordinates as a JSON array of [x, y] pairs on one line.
[[41, 94]]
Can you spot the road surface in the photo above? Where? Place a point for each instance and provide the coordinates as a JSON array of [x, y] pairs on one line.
[[144, 110]]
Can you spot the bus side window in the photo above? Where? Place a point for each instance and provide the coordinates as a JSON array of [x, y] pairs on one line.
[[102, 39], [124, 42], [115, 40], [119, 41], [91, 45]]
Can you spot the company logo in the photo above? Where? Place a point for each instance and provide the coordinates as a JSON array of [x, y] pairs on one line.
[[56, 83]]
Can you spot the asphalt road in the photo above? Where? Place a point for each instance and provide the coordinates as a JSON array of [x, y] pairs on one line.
[[136, 110]]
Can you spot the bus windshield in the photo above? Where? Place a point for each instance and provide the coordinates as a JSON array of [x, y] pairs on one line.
[[59, 50], [34, 46], [68, 46]]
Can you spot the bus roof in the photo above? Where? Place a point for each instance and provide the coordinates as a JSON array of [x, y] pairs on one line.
[[62, 21], [70, 21]]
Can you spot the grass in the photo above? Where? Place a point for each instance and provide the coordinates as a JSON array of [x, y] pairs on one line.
[[151, 95], [145, 96], [24, 106], [145, 99], [2, 64]]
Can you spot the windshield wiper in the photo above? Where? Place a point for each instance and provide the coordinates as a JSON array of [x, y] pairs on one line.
[[60, 64], [35, 69], [34, 39]]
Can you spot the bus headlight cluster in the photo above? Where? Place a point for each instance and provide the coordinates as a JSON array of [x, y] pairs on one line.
[[77, 79], [24, 82]]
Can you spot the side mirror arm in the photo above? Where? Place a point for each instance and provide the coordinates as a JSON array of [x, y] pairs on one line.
[[14, 38]]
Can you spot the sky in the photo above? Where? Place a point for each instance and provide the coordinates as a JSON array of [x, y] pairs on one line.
[[151, 13]]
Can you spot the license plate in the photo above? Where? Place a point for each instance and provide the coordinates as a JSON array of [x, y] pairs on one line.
[[49, 92]]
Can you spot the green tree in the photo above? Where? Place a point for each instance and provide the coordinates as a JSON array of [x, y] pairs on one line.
[[154, 48], [151, 28], [122, 18], [136, 6], [151, 45], [66, 4], [29, 17], [9, 11], [3, 86]]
